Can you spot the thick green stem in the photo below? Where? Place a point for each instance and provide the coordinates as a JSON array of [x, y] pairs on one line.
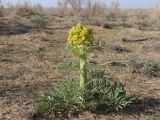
[[83, 72]]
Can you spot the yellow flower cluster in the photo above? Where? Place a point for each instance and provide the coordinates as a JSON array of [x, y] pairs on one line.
[[80, 36]]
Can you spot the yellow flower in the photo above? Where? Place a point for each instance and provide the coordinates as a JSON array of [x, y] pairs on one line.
[[80, 35]]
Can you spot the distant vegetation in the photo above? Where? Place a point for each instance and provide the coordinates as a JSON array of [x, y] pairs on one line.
[[89, 12]]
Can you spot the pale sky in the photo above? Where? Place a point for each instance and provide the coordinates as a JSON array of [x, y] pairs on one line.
[[123, 3]]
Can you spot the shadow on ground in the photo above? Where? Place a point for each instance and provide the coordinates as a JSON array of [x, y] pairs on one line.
[[147, 106], [13, 31]]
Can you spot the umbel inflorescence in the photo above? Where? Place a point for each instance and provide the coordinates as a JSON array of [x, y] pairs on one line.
[[80, 35]]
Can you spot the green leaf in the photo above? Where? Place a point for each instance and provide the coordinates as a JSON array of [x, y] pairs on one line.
[[90, 50], [66, 65]]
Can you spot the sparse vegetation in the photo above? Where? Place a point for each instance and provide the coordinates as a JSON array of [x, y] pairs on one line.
[[1, 9], [24, 9], [39, 21], [150, 68]]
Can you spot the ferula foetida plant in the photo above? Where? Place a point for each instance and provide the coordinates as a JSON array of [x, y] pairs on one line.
[[80, 42], [69, 96]]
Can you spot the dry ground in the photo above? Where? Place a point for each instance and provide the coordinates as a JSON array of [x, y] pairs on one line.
[[28, 66]]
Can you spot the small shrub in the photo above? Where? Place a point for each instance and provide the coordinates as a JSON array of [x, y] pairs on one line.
[[109, 25], [112, 15], [24, 9], [39, 21], [1, 10], [150, 68]]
